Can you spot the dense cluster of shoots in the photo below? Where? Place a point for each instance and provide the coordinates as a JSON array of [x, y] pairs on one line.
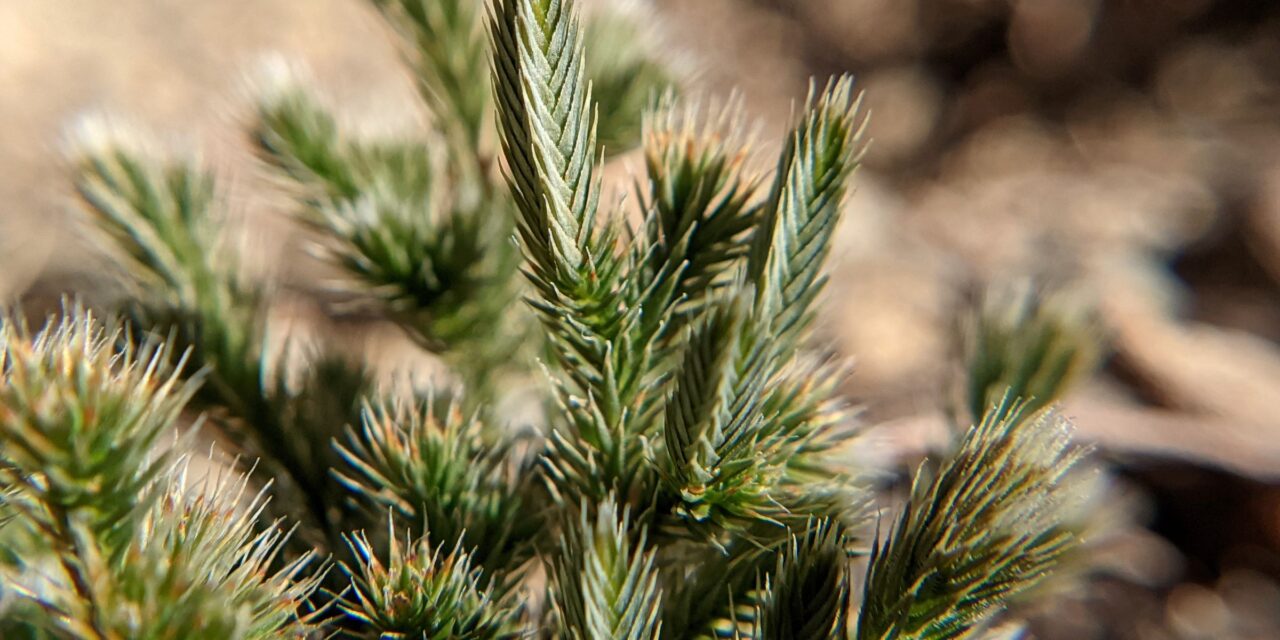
[[679, 478]]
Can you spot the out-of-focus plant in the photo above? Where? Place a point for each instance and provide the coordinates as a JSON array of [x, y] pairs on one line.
[[1020, 342]]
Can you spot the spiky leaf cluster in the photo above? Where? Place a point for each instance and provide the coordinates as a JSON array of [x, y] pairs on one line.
[[702, 204], [794, 236], [137, 554], [431, 464], [158, 219], [200, 563], [79, 423], [676, 355], [808, 596], [746, 450], [616, 333], [594, 317], [422, 591], [424, 224], [985, 528], [606, 584]]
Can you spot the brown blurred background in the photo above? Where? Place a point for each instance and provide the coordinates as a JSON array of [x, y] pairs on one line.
[[1130, 148]]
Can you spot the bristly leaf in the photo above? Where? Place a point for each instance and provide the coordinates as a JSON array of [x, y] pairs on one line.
[[294, 133], [807, 597], [808, 419], [160, 213], [1028, 346], [157, 216], [985, 529], [79, 422], [422, 592], [794, 236], [548, 132], [432, 465], [745, 450], [453, 282], [605, 584], [699, 199], [200, 566], [692, 427], [586, 294], [82, 411], [712, 420]]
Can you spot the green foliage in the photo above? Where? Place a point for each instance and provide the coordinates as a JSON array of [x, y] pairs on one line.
[[446, 49], [199, 566], [603, 341], [808, 597], [79, 423], [544, 112], [794, 237], [742, 450], [625, 79], [687, 484], [160, 215], [605, 584], [718, 465], [159, 218], [138, 555], [423, 225], [809, 420], [434, 467], [422, 592], [985, 528], [432, 258], [698, 422], [1027, 346], [701, 203]]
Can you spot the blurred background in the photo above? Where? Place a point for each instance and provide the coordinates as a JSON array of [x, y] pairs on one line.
[[1126, 149]]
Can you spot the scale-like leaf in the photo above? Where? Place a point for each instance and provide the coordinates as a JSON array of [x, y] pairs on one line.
[[605, 583]]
